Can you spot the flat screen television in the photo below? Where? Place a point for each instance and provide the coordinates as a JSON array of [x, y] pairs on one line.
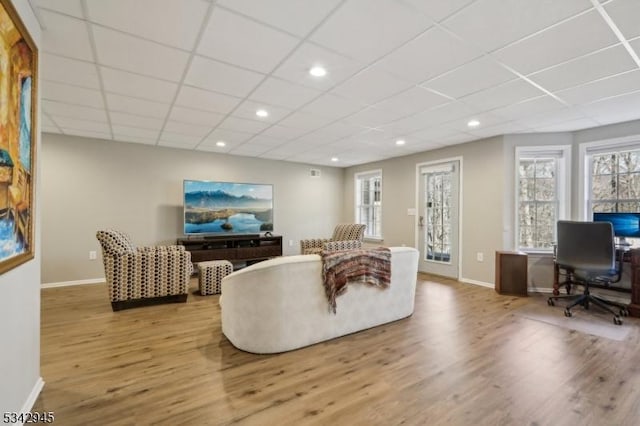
[[212, 207], [625, 225]]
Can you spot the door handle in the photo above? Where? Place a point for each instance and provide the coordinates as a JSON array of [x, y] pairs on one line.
[[421, 221]]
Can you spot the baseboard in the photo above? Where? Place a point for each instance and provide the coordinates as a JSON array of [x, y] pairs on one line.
[[70, 283], [33, 396], [476, 282]]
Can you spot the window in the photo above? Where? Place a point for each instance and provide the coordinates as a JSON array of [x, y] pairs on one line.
[[369, 202], [614, 184], [542, 195]]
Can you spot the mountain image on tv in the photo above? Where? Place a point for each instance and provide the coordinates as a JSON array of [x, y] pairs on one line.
[[211, 207]]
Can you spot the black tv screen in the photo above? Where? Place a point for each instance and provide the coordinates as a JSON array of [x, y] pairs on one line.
[[212, 207], [624, 224]]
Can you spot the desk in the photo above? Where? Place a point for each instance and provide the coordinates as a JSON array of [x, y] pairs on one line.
[[634, 306], [631, 256]]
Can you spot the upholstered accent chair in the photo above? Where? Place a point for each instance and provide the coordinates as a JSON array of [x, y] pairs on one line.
[[139, 276], [346, 236]]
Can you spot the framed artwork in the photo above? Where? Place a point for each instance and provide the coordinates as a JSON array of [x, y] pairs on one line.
[[18, 106]]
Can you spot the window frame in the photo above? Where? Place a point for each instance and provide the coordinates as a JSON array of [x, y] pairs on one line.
[[358, 179], [586, 152], [562, 155]]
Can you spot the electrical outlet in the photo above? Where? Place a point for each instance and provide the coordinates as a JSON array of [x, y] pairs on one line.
[[93, 255], [480, 256]]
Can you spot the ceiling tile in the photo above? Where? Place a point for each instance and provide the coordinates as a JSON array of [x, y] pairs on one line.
[[296, 67], [228, 136], [371, 34], [72, 123], [411, 101], [70, 71], [205, 100], [242, 125], [600, 89], [248, 109], [529, 107], [126, 83], [615, 110], [486, 119], [604, 63], [558, 44], [178, 139], [66, 36], [293, 16], [492, 24], [266, 141], [72, 95], [234, 39], [134, 132], [441, 114], [187, 129], [67, 7], [229, 80], [472, 77], [569, 126], [119, 118], [432, 134], [371, 85], [308, 122], [547, 119], [511, 92], [280, 92], [134, 139], [118, 50], [135, 106], [284, 133], [341, 129], [428, 56], [437, 9], [505, 128], [73, 111], [249, 150], [160, 19], [375, 117], [332, 106], [625, 14], [194, 116], [178, 145]]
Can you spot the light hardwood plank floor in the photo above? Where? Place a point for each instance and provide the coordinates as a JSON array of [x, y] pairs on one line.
[[465, 357]]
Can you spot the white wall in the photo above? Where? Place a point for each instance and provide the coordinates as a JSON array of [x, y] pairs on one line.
[[20, 381], [91, 184]]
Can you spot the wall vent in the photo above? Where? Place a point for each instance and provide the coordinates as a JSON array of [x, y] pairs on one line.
[[314, 172]]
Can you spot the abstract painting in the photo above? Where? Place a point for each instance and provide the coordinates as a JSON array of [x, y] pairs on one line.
[[18, 100]]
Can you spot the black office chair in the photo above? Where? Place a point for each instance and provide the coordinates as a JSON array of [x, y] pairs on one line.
[[586, 256]]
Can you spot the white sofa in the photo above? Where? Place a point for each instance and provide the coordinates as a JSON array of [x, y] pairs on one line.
[[280, 304]]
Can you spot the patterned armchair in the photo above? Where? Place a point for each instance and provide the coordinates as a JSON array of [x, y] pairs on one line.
[[346, 236], [143, 275]]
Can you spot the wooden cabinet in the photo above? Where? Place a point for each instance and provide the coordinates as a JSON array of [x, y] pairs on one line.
[[511, 273], [634, 306], [235, 248]]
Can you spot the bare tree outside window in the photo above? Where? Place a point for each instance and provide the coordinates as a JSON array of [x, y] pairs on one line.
[[615, 182], [538, 202], [369, 203]]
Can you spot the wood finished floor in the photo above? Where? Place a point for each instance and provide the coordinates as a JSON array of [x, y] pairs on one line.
[[464, 358]]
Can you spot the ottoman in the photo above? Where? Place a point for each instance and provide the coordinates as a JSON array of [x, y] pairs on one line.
[[211, 274]]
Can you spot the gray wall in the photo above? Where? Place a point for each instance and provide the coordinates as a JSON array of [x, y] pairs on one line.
[[482, 203], [20, 380], [91, 184]]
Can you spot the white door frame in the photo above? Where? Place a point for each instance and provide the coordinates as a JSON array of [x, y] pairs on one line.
[[417, 202]]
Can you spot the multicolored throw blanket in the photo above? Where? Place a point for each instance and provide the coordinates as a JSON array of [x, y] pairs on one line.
[[370, 266]]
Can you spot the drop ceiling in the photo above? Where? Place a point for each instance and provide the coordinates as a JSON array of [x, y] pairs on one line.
[[192, 73]]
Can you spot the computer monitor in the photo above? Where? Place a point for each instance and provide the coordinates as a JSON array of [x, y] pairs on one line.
[[625, 225]]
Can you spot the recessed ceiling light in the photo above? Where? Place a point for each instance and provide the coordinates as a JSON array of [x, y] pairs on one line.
[[318, 71], [473, 123], [334, 159], [400, 142], [221, 143], [262, 113]]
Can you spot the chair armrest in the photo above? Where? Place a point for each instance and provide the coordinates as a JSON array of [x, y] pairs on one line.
[[312, 243], [342, 245]]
